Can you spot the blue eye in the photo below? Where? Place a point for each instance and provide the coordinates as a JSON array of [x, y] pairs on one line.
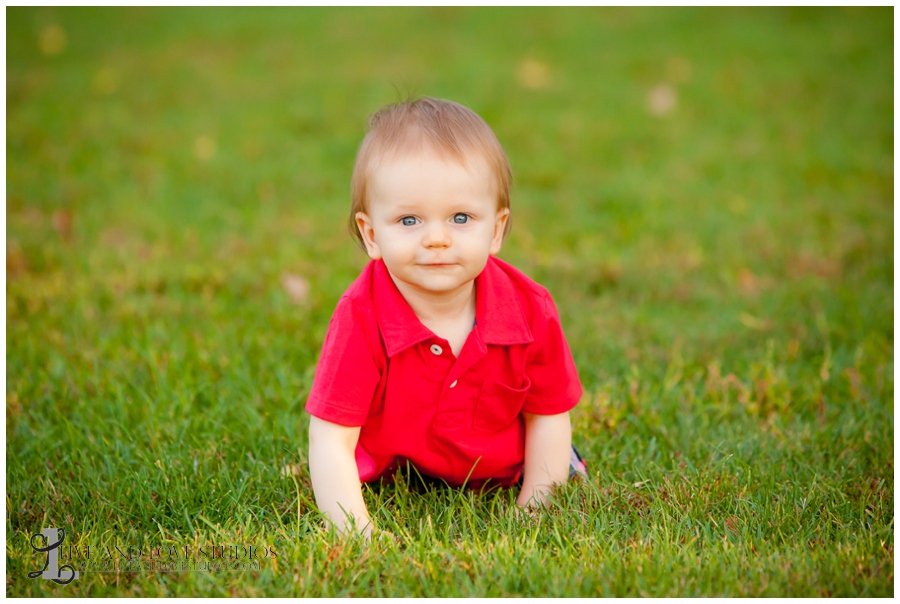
[[408, 221], [460, 218]]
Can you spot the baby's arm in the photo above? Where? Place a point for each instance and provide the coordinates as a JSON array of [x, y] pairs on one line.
[[548, 444], [335, 477]]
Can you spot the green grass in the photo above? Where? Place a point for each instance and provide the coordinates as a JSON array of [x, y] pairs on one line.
[[724, 272]]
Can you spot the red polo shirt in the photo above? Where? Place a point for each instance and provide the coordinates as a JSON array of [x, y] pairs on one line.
[[454, 418]]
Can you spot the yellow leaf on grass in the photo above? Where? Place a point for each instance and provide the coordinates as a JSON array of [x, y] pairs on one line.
[[662, 100], [52, 39], [533, 74], [297, 287], [291, 469], [755, 322]]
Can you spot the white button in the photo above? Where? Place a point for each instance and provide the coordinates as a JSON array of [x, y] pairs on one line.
[[436, 349], [454, 383]]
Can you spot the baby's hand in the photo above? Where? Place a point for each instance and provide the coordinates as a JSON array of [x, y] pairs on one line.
[[528, 512]]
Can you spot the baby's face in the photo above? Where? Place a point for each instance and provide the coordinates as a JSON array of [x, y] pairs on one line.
[[434, 222]]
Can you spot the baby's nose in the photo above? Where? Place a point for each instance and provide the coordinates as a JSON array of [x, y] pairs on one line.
[[436, 235]]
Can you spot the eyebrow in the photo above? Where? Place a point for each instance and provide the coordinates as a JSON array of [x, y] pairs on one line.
[[405, 210], [403, 207]]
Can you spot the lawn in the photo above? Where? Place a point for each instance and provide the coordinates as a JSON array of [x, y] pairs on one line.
[[707, 193]]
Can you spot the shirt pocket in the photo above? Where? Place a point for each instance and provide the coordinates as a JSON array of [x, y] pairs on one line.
[[499, 405]]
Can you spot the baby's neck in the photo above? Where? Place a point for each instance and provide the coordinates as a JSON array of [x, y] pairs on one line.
[[450, 316]]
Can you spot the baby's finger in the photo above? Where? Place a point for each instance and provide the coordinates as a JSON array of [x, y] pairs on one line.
[[525, 513]]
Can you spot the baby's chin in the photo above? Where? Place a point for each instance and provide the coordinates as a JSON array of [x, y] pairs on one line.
[[437, 284]]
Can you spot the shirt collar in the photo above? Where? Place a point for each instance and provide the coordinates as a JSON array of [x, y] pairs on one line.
[[498, 313]]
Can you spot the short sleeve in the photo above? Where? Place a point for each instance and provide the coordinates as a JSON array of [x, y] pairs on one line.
[[347, 375], [555, 387]]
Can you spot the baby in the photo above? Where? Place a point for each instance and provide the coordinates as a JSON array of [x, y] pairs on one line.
[[439, 354]]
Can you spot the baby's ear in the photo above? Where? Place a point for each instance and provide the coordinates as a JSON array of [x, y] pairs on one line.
[[499, 229], [364, 224]]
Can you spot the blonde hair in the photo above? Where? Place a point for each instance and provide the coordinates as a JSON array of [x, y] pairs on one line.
[[447, 128]]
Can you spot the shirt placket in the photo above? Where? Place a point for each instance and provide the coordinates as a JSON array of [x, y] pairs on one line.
[[454, 403]]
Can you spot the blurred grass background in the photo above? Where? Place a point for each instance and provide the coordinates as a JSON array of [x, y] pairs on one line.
[[707, 193]]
